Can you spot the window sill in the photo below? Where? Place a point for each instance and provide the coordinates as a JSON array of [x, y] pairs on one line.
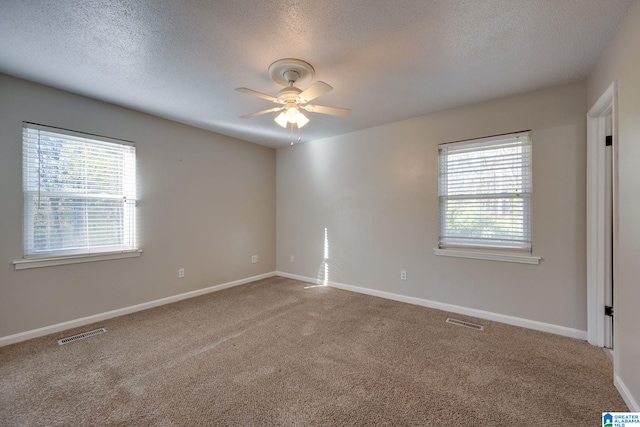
[[489, 255], [24, 264]]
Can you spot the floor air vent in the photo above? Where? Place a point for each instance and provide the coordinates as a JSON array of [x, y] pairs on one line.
[[465, 324], [83, 335]]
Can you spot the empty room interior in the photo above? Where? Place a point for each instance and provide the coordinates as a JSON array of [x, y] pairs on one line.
[[319, 213]]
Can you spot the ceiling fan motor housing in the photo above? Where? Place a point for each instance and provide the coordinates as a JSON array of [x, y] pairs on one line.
[[289, 94]]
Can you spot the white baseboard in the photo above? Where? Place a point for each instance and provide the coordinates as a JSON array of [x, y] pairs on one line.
[[517, 321], [502, 318], [626, 394], [298, 277], [35, 333]]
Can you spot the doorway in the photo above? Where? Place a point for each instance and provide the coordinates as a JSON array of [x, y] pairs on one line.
[[608, 233], [601, 219]]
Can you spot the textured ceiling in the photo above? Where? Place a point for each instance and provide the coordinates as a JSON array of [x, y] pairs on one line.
[[387, 60]]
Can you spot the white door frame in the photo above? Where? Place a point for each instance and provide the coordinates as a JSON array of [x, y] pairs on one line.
[[596, 120]]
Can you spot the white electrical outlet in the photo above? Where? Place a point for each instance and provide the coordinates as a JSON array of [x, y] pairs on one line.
[[254, 258], [181, 273], [292, 258], [403, 275]]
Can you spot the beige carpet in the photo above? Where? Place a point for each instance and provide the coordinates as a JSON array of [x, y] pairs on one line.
[[282, 352]]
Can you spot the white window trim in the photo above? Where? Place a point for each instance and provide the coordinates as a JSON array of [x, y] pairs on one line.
[[61, 258], [25, 264], [488, 255]]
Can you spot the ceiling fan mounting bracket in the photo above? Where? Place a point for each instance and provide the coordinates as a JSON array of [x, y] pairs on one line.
[[289, 70]]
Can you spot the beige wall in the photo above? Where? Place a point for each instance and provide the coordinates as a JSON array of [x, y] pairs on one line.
[[206, 204], [621, 62], [376, 193]]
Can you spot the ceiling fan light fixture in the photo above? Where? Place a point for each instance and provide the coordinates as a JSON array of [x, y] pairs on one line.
[[302, 120], [281, 120], [292, 114]]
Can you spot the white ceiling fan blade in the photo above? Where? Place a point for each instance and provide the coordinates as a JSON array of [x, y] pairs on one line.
[[256, 93], [270, 110], [334, 111], [314, 91]]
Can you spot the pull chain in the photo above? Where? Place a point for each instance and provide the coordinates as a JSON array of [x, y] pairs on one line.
[[291, 133]]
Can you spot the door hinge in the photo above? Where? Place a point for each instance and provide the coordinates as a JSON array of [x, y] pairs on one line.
[[608, 310], [608, 141]]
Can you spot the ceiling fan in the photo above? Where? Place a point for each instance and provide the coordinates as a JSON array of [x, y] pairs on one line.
[[290, 99]]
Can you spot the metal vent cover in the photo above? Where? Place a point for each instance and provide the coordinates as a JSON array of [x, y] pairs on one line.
[[465, 324], [83, 335]]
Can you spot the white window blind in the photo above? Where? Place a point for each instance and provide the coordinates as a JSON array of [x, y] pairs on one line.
[[79, 193], [484, 189]]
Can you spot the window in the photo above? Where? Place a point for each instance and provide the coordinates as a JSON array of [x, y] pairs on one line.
[[484, 188], [79, 193]]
